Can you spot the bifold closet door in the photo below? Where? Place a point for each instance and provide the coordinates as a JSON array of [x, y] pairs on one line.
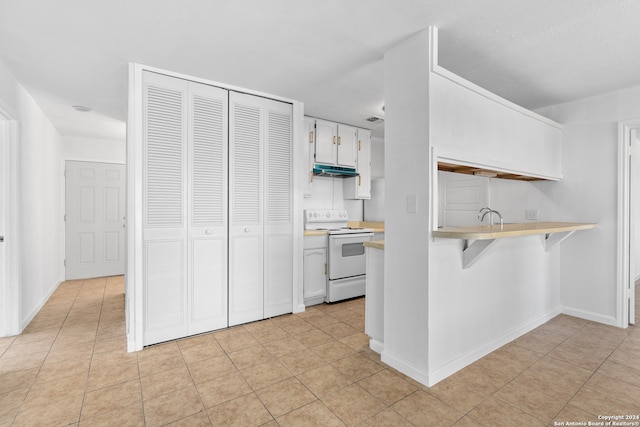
[[278, 234], [208, 189], [260, 231], [246, 141], [184, 208]]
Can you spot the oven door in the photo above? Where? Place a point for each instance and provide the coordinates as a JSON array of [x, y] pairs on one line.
[[346, 255]]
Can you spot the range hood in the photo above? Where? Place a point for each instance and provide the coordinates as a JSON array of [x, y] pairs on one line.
[[337, 171]]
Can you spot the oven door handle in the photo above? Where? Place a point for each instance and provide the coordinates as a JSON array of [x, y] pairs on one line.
[[356, 237]]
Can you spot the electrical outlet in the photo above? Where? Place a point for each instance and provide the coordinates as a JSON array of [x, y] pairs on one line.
[[412, 204], [531, 214]]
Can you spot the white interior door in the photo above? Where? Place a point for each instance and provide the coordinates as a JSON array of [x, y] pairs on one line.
[[95, 219], [460, 198]]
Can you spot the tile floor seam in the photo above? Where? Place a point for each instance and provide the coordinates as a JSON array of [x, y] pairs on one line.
[[93, 352], [584, 384]]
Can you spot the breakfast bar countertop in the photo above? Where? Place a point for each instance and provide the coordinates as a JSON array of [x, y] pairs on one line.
[[485, 232]]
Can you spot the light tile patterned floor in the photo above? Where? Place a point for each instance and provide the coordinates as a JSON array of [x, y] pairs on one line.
[[70, 367]]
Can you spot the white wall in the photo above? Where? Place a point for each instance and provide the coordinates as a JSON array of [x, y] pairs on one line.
[[407, 175], [438, 316], [327, 193], [41, 200], [513, 288], [588, 193], [94, 150], [377, 158]]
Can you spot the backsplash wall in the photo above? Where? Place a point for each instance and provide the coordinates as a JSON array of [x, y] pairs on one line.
[[327, 193]]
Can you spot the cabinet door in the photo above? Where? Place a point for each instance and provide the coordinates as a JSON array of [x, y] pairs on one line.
[[308, 149], [364, 164], [246, 139], [326, 142], [315, 273], [278, 217], [347, 146], [359, 187], [208, 141], [164, 208]]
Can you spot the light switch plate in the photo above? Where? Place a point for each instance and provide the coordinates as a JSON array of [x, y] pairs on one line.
[[531, 214]]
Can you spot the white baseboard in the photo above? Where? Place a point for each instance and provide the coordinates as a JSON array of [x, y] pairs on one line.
[[38, 307], [588, 315], [406, 368], [376, 346], [468, 358]]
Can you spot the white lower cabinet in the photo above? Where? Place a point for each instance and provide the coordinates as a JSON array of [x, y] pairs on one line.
[[217, 229], [315, 269]]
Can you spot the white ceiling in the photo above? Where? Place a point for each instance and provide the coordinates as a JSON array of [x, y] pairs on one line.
[[326, 53]]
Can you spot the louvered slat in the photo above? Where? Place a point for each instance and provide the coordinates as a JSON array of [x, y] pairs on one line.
[[208, 168], [164, 157], [279, 175], [246, 167]]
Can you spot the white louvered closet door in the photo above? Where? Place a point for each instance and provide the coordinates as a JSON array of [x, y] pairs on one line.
[[278, 234], [207, 235], [164, 208], [246, 139]]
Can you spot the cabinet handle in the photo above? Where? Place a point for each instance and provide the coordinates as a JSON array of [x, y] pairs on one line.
[[359, 145], [339, 140], [246, 230], [313, 136], [311, 176], [334, 140], [325, 268], [207, 232], [359, 180]]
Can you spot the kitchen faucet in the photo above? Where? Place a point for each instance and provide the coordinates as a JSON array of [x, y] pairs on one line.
[[486, 210]]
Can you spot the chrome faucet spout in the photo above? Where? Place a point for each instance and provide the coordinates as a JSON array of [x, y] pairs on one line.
[[484, 211]]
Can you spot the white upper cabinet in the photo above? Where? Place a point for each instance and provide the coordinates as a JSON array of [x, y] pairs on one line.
[[359, 187], [347, 146], [309, 151], [326, 142]]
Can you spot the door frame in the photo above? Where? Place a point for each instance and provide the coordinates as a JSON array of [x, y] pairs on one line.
[[102, 162], [625, 282], [10, 295]]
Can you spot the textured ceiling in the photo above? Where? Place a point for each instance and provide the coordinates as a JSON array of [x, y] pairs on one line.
[[325, 53]]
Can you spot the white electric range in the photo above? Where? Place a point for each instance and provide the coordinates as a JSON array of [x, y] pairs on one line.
[[346, 254]]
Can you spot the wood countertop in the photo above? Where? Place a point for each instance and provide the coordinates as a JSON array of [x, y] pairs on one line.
[[315, 232], [378, 227], [486, 232], [375, 244]]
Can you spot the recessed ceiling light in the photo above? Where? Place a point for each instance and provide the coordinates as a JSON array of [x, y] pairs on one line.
[[375, 119], [82, 108]]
